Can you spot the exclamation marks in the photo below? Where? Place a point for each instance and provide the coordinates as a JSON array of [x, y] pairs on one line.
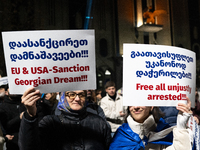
[[183, 96], [84, 53], [83, 78]]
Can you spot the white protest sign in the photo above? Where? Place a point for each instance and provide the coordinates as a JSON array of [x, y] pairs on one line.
[[51, 61], [3, 81], [155, 75]]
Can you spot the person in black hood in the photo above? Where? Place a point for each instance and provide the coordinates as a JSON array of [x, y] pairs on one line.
[[3, 136], [11, 111], [3, 91], [73, 129]]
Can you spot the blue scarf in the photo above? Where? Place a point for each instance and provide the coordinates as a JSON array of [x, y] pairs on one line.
[[63, 103], [126, 139]]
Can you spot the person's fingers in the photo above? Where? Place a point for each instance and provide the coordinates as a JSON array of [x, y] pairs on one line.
[[31, 101], [188, 102], [182, 109], [30, 96], [185, 107], [10, 137], [31, 89]]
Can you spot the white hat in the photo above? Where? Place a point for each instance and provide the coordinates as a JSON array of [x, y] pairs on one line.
[[3, 81]]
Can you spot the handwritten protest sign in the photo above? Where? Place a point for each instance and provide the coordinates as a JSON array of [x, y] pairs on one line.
[[51, 61], [155, 75]]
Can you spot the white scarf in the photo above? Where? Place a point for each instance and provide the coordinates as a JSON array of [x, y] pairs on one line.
[[147, 129]]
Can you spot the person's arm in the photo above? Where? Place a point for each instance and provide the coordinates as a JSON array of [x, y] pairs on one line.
[[181, 139], [13, 124], [101, 112], [29, 132], [8, 137], [29, 99], [108, 137], [3, 118]]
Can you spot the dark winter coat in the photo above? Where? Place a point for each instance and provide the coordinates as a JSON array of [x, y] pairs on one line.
[[10, 111], [68, 131]]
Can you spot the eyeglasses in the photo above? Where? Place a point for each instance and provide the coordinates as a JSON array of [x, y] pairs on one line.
[[72, 95]]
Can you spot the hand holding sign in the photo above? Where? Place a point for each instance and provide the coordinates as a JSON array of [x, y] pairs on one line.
[[185, 108], [29, 99], [184, 114]]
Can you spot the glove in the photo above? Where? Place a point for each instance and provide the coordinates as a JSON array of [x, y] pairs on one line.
[[182, 120]]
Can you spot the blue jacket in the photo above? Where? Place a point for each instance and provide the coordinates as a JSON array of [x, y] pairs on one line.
[[170, 115], [126, 139]]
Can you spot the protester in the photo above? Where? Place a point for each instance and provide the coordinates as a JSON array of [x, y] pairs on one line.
[[73, 129], [112, 105], [90, 107], [3, 89], [145, 129], [98, 96], [11, 111], [3, 138], [196, 110], [91, 98], [53, 102]]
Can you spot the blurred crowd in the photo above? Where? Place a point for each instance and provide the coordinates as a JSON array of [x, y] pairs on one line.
[[117, 126]]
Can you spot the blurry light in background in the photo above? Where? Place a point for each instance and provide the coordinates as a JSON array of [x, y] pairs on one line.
[[107, 72]]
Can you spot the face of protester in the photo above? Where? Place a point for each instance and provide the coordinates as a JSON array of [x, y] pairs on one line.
[[111, 91], [13, 96], [48, 96], [99, 95], [89, 93], [2, 92], [140, 113], [76, 99]]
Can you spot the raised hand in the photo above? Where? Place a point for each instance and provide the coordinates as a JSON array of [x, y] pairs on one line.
[[29, 100], [185, 108], [184, 114]]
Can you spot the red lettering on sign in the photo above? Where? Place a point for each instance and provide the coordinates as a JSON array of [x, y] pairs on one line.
[[143, 87]]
